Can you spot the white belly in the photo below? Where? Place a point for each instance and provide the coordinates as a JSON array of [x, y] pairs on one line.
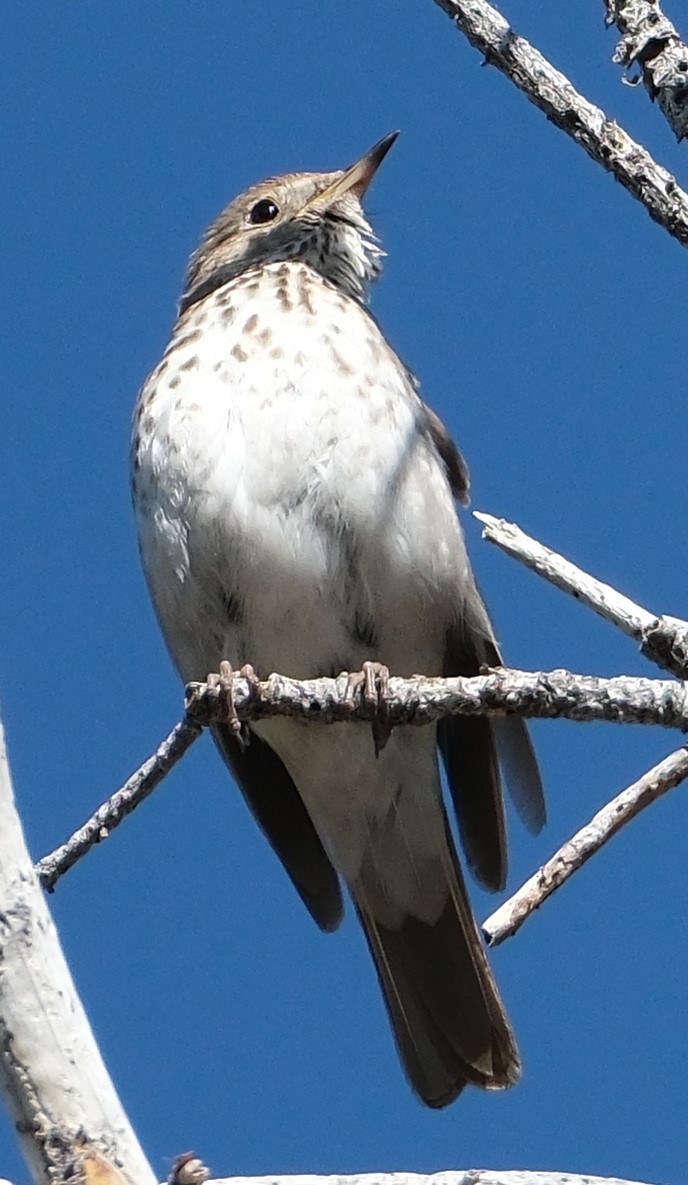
[[291, 512]]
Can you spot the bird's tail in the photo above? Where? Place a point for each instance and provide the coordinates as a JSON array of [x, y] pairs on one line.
[[445, 1010]]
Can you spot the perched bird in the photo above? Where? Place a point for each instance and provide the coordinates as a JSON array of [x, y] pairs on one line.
[[295, 503]]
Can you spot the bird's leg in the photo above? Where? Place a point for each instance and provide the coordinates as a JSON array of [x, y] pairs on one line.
[[226, 681], [374, 680]]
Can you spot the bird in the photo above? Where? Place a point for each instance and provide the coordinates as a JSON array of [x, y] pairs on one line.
[[295, 501]]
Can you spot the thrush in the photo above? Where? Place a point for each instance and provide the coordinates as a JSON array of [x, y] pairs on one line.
[[295, 503]]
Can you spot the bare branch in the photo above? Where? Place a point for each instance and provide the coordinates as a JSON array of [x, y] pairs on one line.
[[652, 42], [510, 916], [664, 640], [454, 1177], [58, 1091], [450, 1177], [603, 139], [421, 700], [120, 804], [415, 701]]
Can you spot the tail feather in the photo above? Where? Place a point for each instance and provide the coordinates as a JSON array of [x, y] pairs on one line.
[[447, 1017]]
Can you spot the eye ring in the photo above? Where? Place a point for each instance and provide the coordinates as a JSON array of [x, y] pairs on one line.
[[266, 210]]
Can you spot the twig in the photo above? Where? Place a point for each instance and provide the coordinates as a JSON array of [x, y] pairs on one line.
[[415, 701], [57, 1089], [120, 804], [510, 916], [603, 139], [664, 640], [653, 42]]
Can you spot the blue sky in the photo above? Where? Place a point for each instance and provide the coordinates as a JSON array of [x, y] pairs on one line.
[[545, 315]]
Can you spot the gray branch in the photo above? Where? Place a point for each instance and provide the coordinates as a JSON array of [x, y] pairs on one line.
[[57, 1089], [454, 1177], [420, 700], [651, 42], [603, 139], [199, 1175], [510, 916], [415, 701], [664, 640], [108, 816]]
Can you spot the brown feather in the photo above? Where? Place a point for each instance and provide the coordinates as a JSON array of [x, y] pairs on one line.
[[468, 751], [470, 745], [470, 759], [455, 466], [279, 811], [447, 1018]]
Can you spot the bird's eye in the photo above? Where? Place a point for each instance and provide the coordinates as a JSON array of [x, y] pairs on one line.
[[264, 211]]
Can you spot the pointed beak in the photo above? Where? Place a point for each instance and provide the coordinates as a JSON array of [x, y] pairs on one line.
[[357, 177]]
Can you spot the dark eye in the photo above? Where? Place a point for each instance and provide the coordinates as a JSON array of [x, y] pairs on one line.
[[264, 211]]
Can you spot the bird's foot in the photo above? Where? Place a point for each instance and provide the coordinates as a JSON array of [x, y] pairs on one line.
[[374, 680], [226, 680]]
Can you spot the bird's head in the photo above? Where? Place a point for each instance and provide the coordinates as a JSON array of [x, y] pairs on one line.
[[315, 217]]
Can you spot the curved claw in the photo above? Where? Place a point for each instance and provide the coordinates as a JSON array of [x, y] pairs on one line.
[[227, 680], [374, 681]]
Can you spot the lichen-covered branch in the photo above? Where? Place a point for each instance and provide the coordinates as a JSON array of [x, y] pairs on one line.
[[197, 1174], [56, 1087], [651, 42], [603, 139], [511, 915], [415, 701], [420, 700], [664, 640], [453, 1177]]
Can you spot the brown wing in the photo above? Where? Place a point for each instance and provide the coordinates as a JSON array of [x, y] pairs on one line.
[[469, 747], [454, 464], [279, 810]]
